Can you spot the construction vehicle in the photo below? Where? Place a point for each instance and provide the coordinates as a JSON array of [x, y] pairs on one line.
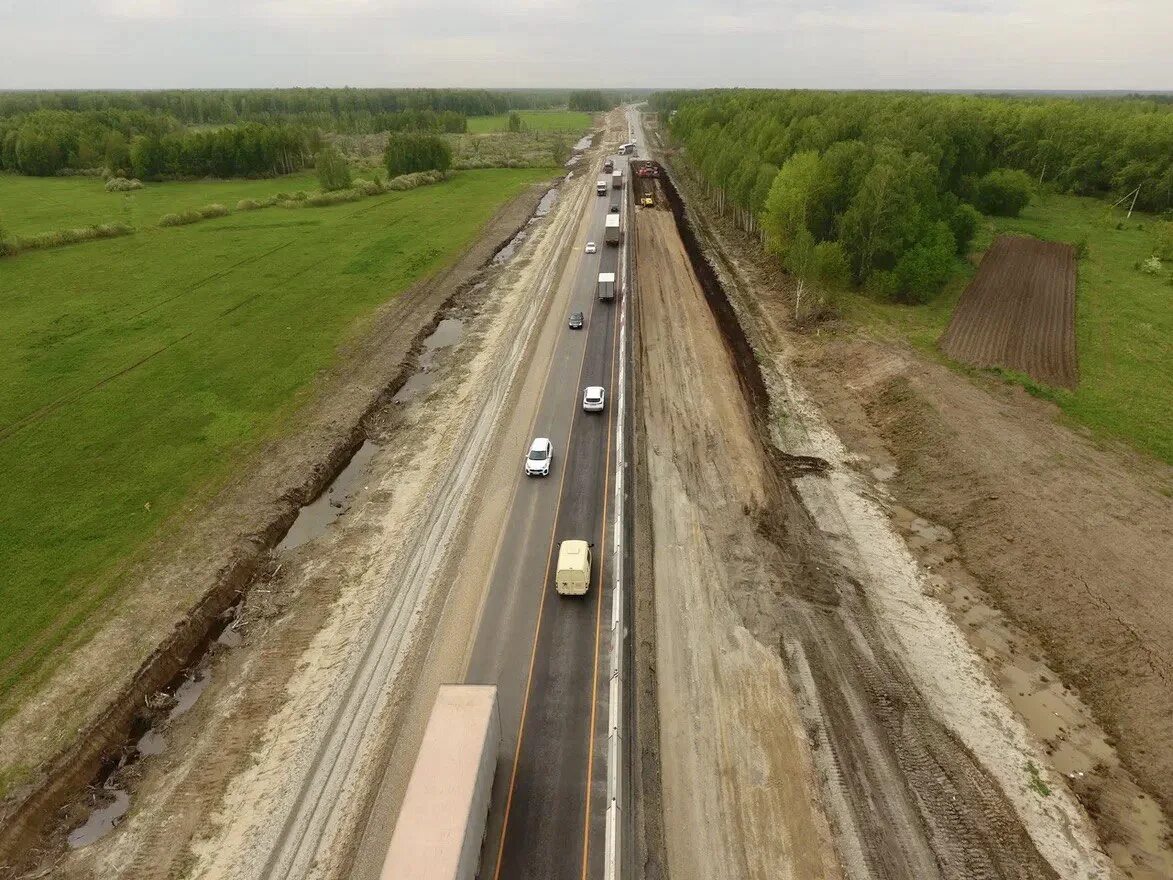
[[442, 821], [647, 201]]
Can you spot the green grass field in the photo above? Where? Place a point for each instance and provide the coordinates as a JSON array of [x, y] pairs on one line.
[[139, 371], [1123, 320], [44, 204], [572, 121]]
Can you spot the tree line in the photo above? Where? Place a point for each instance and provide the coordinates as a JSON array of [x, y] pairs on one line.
[[879, 189], [226, 106]]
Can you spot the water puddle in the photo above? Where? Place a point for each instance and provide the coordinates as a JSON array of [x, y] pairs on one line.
[[506, 253], [1132, 828], [102, 820], [183, 693], [314, 518], [547, 203], [447, 333]]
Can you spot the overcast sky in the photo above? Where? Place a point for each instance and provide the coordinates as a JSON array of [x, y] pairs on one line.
[[984, 44]]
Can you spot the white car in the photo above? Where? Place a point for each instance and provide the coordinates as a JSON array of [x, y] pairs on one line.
[[541, 453], [592, 398], [590, 248]]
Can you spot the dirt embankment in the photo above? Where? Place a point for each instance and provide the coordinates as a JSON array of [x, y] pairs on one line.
[[1047, 553], [84, 713], [921, 768], [739, 793]]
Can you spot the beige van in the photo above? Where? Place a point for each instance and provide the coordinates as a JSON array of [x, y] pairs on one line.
[[573, 576]]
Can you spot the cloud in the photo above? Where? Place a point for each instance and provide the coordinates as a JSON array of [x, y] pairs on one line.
[[980, 44]]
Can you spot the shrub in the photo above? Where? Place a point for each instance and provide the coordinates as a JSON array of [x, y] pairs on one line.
[[63, 237], [963, 223], [927, 264], [1004, 192], [121, 184], [333, 172], [181, 219], [213, 210], [368, 187], [320, 200], [1151, 266], [407, 152]]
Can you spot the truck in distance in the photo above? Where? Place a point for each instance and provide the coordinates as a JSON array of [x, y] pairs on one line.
[[609, 166], [442, 821], [606, 286], [601, 187], [611, 229]]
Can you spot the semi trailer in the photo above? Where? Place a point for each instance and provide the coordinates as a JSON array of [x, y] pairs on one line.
[[617, 179], [442, 821]]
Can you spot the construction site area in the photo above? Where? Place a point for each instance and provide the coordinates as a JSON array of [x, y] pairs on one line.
[[851, 589]]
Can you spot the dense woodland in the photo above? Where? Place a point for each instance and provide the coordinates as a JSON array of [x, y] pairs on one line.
[[228, 133], [880, 189]]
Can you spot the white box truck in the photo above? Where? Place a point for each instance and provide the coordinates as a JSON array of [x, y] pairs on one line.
[[442, 821], [617, 179], [601, 187], [573, 577], [606, 285], [611, 229]]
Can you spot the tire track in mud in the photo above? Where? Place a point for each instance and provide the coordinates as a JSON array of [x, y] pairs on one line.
[[905, 796]]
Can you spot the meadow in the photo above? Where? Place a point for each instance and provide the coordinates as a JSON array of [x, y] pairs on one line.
[[1123, 323], [42, 204], [139, 371], [571, 121]]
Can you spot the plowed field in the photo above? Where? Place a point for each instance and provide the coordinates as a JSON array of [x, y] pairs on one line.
[[1019, 311]]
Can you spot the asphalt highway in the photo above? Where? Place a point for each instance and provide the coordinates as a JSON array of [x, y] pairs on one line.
[[546, 652]]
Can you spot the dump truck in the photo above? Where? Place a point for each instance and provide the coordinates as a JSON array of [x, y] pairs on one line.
[[606, 287], [573, 576], [442, 821], [611, 230], [601, 187], [617, 179]]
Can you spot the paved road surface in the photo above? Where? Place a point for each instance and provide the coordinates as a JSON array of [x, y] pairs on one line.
[[547, 653]]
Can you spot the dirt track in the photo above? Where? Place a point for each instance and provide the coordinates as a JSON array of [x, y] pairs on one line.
[[1019, 311], [1041, 548], [920, 765]]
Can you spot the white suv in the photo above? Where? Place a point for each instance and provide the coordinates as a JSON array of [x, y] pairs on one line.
[[592, 398], [541, 453]]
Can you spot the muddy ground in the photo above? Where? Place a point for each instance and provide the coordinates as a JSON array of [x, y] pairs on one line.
[[1025, 592], [221, 547]]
